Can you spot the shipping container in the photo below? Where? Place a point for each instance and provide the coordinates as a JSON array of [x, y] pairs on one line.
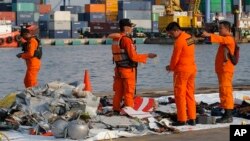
[[95, 8], [78, 25], [61, 16], [92, 17], [147, 24], [44, 34], [44, 17], [43, 25], [215, 6], [96, 1], [162, 2], [24, 22], [59, 33], [111, 5], [75, 34], [59, 25], [104, 27], [44, 8], [72, 9], [74, 17], [28, 1], [134, 5], [8, 16], [25, 7], [5, 6], [135, 14], [112, 18], [24, 16], [158, 9], [155, 16]]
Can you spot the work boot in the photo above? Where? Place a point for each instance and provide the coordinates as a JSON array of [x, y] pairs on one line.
[[179, 123], [191, 122], [226, 118]]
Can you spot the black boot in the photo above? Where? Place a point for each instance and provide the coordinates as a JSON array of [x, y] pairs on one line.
[[226, 118], [179, 123]]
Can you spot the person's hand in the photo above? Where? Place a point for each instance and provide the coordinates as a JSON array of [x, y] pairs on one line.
[[19, 55], [205, 34], [152, 55], [167, 68]]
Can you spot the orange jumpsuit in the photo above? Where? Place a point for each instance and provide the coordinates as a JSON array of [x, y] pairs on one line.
[[183, 65], [224, 69], [125, 78], [33, 64]]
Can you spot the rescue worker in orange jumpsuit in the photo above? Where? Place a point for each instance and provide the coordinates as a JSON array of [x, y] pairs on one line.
[[224, 68], [32, 55], [184, 67], [126, 59]]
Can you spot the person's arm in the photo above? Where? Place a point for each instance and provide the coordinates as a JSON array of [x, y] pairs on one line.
[[31, 50], [175, 55], [220, 39], [128, 44]]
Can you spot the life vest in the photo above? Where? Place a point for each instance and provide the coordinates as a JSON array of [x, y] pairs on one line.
[[38, 52], [120, 55]]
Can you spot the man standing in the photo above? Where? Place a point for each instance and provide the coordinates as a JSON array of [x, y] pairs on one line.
[[183, 65], [32, 55], [224, 68], [126, 59]]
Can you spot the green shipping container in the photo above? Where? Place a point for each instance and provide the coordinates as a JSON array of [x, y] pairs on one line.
[[155, 17], [215, 6], [25, 7], [247, 2]]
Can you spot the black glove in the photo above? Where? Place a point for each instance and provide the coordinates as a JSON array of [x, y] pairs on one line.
[[19, 55]]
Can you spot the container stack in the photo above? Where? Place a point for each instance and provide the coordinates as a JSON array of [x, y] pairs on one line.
[[44, 18], [60, 25], [26, 11], [138, 11], [157, 10]]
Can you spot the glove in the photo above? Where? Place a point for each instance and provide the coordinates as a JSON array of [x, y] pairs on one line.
[[19, 55]]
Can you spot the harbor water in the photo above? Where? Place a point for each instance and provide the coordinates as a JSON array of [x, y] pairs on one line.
[[68, 63]]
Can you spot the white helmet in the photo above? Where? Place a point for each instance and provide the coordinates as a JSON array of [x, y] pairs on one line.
[[77, 130]]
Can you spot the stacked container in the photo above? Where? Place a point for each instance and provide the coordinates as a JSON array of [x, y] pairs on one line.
[[138, 11], [60, 25], [25, 11], [44, 18], [111, 8], [157, 10]]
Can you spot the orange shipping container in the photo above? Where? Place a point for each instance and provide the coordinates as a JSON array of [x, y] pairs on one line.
[[44, 8], [8, 16], [95, 8]]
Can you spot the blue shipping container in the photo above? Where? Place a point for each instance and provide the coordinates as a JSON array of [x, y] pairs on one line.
[[134, 5], [72, 9], [43, 34], [59, 33], [18, 23], [44, 17], [5, 7], [75, 34], [135, 14], [92, 17], [24, 17], [77, 25], [43, 25], [26, 1], [96, 1]]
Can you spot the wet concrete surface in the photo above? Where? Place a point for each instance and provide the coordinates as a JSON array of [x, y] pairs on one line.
[[216, 134]]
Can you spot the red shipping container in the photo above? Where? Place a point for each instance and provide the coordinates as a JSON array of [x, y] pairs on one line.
[[8, 16], [44, 8]]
